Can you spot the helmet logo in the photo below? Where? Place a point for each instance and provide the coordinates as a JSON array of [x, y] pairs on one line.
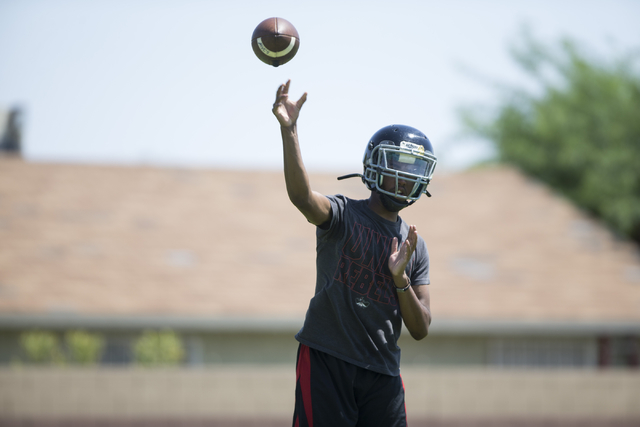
[[411, 146]]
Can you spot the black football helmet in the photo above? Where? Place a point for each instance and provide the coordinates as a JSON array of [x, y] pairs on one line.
[[399, 152]]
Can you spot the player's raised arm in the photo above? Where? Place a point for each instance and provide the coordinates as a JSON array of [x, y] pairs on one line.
[[313, 205]]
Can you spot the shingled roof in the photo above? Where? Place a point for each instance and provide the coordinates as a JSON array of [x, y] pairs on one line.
[[120, 241]]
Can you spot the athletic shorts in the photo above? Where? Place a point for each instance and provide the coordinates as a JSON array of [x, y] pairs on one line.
[[333, 393]]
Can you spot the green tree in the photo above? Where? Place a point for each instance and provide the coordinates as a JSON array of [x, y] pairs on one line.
[[41, 347], [578, 130], [84, 348], [158, 348]]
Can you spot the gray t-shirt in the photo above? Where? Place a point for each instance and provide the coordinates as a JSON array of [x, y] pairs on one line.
[[354, 314]]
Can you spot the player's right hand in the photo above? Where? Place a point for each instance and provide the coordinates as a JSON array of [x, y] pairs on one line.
[[286, 110]]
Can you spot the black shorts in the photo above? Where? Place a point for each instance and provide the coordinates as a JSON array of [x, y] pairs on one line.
[[333, 393]]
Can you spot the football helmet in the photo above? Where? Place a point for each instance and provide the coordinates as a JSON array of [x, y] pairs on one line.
[[401, 153]]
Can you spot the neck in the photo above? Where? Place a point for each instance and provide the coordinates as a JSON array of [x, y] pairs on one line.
[[377, 207]]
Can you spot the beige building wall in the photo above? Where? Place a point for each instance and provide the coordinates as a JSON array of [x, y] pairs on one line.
[[259, 391]]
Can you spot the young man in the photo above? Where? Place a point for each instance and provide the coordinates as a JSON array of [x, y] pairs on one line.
[[372, 269]]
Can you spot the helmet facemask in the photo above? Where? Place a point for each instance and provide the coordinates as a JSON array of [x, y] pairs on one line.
[[408, 162], [397, 153]]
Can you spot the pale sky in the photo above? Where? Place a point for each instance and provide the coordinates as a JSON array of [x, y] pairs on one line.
[[175, 82]]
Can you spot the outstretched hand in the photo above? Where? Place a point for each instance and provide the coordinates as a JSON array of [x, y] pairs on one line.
[[400, 257], [286, 110]]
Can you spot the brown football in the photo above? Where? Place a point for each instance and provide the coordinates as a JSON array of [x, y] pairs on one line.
[[275, 41]]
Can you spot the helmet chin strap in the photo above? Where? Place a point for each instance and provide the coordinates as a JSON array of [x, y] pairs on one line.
[[351, 175]]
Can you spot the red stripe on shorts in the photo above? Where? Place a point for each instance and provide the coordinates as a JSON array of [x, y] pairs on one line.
[[405, 401], [303, 375]]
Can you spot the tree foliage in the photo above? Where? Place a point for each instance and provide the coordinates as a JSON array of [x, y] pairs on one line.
[[45, 347], [84, 348], [42, 347], [155, 348], [578, 131]]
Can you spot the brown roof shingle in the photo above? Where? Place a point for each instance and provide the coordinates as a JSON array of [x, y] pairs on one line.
[[109, 240]]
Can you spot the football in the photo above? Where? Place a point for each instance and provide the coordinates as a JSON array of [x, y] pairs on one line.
[[275, 41]]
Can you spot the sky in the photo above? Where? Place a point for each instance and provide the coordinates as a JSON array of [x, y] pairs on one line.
[[176, 83]]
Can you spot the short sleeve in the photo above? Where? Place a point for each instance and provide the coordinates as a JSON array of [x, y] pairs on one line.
[[419, 268], [335, 224]]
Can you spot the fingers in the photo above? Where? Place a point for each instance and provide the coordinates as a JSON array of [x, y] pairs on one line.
[[400, 257], [284, 109], [413, 236], [283, 93], [302, 100], [283, 90], [281, 96], [407, 249], [409, 244], [277, 103], [412, 240]]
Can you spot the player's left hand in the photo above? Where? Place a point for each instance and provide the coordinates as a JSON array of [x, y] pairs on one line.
[[400, 257]]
